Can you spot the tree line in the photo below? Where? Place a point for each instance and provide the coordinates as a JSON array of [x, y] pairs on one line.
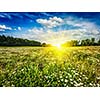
[[11, 41], [85, 42]]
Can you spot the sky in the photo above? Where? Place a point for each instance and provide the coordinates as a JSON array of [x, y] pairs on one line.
[[50, 27]]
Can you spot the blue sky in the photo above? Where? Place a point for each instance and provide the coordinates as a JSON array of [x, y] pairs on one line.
[[50, 27]]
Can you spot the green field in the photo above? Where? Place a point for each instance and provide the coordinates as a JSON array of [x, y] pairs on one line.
[[50, 66]]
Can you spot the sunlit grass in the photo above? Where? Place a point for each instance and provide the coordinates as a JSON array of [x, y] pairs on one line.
[[50, 66]]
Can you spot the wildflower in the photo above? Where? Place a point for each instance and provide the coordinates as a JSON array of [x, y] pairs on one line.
[[46, 77], [58, 80], [62, 80], [77, 85], [66, 80], [98, 85], [65, 84], [71, 83], [22, 70], [76, 74], [90, 84], [66, 76], [70, 75], [60, 76], [79, 79], [86, 78], [83, 75], [48, 81], [98, 78], [71, 79], [12, 85], [81, 84]]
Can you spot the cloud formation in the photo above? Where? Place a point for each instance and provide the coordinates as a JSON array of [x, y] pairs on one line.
[[51, 22], [50, 36], [89, 27], [74, 22], [4, 27]]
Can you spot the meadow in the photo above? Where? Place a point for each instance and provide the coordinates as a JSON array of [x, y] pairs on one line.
[[50, 66]]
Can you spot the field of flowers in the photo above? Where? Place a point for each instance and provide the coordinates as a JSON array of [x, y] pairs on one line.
[[50, 66]]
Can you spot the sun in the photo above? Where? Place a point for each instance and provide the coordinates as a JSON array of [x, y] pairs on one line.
[[57, 45]]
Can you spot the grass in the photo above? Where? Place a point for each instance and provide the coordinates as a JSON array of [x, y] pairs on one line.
[[50, 67]]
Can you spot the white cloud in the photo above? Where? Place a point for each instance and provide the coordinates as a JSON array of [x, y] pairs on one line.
[[50, 36], [2, 30], [51, 22], [36, 31], [19, 28], [82, 24], [85, 29], [4, 27]]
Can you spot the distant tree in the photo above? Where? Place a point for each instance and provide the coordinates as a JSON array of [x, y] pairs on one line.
[[86, 42], [46, 45], [92, 41], [75, 42], [71, 43], [98, 42], [43, 44]]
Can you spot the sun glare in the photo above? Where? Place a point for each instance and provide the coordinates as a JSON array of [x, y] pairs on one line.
[[57, 45]]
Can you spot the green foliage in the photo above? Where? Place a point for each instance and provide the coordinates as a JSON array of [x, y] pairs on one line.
[[99, 42], [86, 42], [71, 43], [11, 41], [46, 45], [50, 67]]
